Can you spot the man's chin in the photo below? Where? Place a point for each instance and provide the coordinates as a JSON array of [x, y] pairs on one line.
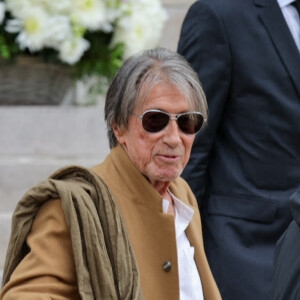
[[166, 176]]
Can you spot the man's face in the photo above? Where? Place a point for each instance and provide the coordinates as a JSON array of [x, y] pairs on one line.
[[160, 156]]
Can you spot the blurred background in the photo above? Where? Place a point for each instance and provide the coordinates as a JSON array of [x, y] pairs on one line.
[[35, 140]]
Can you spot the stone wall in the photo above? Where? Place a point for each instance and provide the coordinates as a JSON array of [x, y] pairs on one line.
[[35, 141]]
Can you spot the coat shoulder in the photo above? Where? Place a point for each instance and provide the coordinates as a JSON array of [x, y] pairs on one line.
[[48, 270]]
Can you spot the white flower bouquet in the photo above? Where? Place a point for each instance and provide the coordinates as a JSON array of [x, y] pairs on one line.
[[91, 37]]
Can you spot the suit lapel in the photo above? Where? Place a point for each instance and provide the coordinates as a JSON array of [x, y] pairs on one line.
[[273, 20]]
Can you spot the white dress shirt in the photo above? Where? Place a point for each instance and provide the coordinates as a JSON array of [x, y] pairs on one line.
[[189, 279], [292, 19]]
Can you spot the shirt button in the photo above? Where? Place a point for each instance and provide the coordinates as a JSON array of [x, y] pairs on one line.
[[167, 266]]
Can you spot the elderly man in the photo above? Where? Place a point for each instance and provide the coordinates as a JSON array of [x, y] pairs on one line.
[[129, 228]]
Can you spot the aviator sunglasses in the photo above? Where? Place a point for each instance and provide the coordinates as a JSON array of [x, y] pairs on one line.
[[155, 120]]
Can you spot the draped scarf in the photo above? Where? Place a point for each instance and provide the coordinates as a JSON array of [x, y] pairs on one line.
[[106, 266]]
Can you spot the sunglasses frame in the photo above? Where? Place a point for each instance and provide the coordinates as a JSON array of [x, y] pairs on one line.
[[171, 117]]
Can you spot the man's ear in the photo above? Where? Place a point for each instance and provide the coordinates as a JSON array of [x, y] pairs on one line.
[[120, 134]]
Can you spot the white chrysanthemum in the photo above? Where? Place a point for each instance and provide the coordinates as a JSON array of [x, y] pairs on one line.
[[2, 12], [59, 29], [14, 26], [141, 29], [90, 14], [12, 4], [58, 6], [16, 7], [61, 24], [72, 50], [52, 7], [116, 9], [32, 28]]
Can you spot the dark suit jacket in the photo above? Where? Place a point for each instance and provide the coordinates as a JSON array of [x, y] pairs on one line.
[[286, 276], [245, 165]]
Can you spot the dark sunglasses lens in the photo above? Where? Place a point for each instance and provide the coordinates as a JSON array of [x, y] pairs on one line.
[[155, 121], [190, 123]]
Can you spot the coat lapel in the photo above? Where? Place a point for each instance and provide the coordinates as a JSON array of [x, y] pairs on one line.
[[275, 24], [194, 234]]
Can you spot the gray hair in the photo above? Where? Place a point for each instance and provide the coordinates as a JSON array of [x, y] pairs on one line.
[[138, 75]]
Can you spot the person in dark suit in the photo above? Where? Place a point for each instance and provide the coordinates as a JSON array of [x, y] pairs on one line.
[[244, 166], [286, 273]]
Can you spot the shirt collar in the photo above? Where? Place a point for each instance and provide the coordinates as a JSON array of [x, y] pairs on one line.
[[283, 3], [184, 214]]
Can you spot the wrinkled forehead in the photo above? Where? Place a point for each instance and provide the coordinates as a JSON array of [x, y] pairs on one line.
[[145, 89]]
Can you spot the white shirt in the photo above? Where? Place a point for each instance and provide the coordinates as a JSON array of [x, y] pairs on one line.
[[292, 19], [189, 279]]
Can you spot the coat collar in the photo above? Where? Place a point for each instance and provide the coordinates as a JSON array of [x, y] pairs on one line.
[[137, 185], [126, 182]]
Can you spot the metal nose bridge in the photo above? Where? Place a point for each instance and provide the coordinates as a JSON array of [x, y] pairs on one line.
[[176, 116]]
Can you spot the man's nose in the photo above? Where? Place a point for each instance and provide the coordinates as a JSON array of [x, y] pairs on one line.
[[172, 134]]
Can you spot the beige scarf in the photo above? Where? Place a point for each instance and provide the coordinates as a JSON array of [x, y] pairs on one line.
[[109, 269]]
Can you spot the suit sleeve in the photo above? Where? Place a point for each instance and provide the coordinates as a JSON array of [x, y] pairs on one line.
[[203, 42], [48, 270]]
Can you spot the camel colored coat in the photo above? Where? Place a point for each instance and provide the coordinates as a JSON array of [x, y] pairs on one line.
[[152, 234]]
